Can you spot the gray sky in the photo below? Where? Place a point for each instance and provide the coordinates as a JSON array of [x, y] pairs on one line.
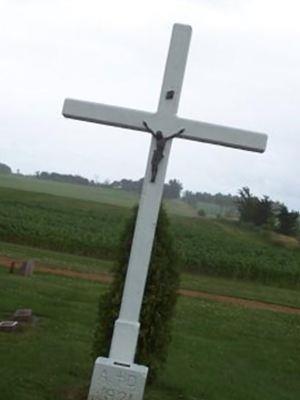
[[243, 71]]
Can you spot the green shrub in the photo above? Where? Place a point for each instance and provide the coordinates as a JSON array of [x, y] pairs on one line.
[[201, 213], [158, 303]]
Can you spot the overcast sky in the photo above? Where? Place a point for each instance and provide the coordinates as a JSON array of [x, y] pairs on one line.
[[243, 70]]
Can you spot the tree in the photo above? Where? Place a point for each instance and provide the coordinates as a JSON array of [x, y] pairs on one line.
[[55, 176], [172, 189], [190, 198], [158, 303], [5, 169], [222, 200], [254, 210], [247, 205], [201, 213], [264, 212], [288, 222]]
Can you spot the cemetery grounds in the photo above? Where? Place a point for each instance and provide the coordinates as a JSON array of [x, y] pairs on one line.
[[219, 350]]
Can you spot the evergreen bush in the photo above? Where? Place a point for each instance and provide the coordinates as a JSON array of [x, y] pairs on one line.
[[158, 303]]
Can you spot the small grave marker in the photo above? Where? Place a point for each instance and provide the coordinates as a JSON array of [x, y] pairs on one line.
[[8, 326], [23, 315], [27, 268]]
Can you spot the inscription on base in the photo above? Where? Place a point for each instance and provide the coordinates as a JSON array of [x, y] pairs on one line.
[[115, 382]]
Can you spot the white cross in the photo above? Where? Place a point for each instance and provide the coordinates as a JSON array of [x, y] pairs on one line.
[[126, 329]]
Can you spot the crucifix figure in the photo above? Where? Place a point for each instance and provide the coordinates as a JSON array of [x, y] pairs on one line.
[[118, 377], [158, 153]]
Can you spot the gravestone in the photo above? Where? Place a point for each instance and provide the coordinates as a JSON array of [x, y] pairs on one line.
[[118, 377], [8, 326], [23, 315], [27, 268]]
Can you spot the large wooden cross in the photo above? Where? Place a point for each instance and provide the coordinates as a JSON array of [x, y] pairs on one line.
[[105, 381]]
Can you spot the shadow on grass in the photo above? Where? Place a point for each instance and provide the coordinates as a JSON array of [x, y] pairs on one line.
[[73, 393], [164, 391]]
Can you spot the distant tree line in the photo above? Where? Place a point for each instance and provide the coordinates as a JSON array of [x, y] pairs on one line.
[[126, 184], [172, 189], [265, 212], [54, 176], [222, 200], [218, 198]]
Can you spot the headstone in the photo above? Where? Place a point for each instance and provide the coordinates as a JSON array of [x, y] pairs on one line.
[[111, 376], [23, 315], [8, 326], [27, 268]]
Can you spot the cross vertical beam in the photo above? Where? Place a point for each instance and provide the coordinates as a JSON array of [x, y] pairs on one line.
[[127, 326], [175, 68]]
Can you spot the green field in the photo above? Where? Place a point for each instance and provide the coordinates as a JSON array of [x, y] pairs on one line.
[[81, 192], [215, 210], [218, 351], [94, 194], [93, 229]]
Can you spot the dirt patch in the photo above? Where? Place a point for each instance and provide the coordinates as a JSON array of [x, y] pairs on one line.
[[107, 278], [284, 241], [241, 302], [71, 393]]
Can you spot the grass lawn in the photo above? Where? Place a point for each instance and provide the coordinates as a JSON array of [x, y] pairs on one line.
[[55, 259], [214, 285], [218, 351], [241, 288], [82, 192]]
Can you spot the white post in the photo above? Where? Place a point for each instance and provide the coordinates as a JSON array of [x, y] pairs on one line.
[[126, 330], [118, 377]]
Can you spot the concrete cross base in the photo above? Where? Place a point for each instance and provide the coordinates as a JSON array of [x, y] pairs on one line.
[[114, 381]]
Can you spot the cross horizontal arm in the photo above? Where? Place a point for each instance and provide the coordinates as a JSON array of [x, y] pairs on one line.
[[220, 135], [193, 130], [105, 114]]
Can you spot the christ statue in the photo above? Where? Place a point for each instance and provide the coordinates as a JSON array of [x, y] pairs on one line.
[[158, 153]]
